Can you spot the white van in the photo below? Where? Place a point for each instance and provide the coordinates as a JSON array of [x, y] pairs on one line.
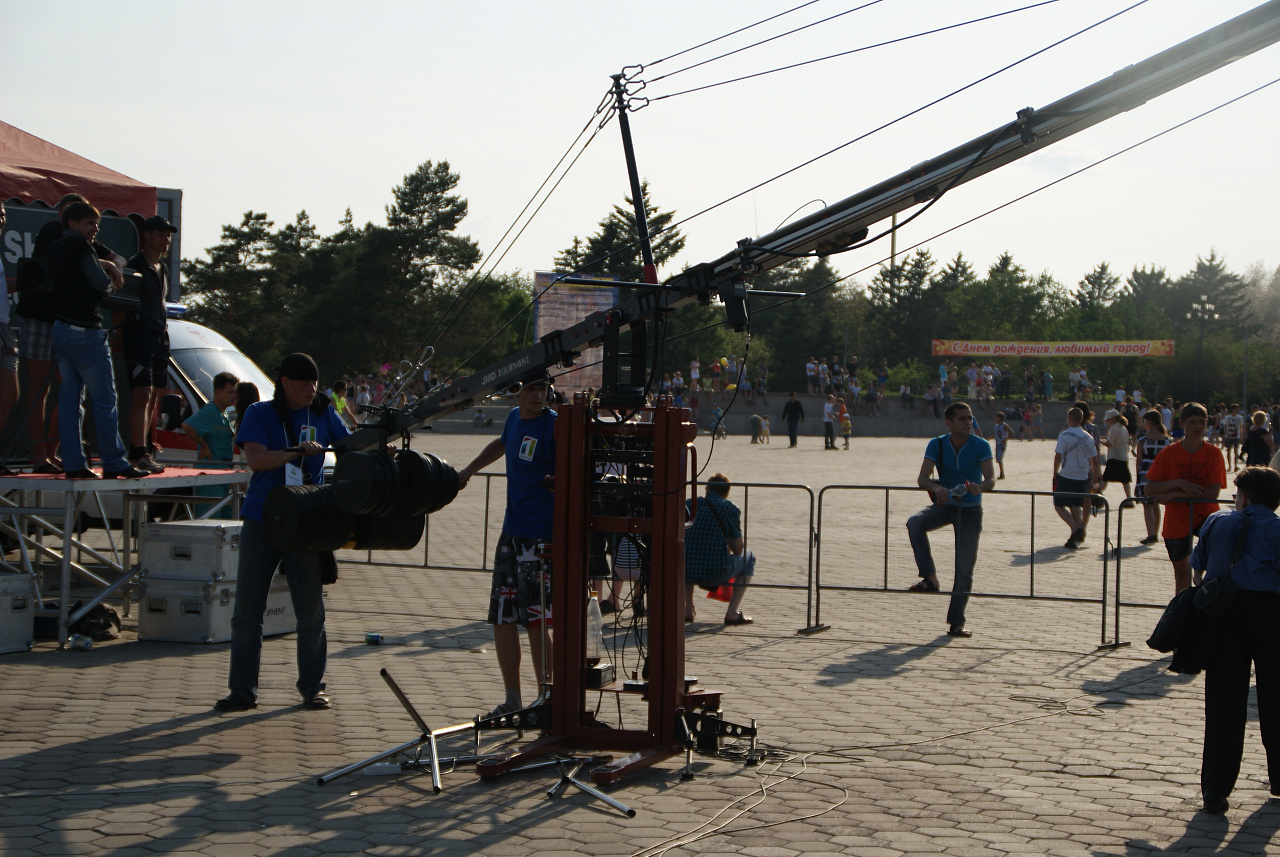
[[196, 355]]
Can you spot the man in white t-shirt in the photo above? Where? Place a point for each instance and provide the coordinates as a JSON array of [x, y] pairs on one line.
[[1233, 431], [1073, 380], [1120, 396], [829, 422], [1075, 471]]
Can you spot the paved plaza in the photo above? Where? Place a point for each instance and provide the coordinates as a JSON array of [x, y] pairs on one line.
[[886, 736]]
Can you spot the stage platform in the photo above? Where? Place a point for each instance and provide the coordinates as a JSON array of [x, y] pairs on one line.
[[42, 514]]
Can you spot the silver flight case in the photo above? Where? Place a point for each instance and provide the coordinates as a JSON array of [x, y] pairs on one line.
[[17, 613], [187, 584]]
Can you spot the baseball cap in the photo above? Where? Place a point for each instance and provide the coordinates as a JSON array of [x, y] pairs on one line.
[[156, 223]]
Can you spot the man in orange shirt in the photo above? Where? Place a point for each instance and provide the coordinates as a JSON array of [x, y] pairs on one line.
[[1187, 470]]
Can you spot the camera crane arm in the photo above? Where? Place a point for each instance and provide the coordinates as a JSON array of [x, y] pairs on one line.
[[842, 225]]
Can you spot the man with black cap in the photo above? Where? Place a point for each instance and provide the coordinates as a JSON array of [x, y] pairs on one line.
[[521, 591], [145, 338], [299, 418]]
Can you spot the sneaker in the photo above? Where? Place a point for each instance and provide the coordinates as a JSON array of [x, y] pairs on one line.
[[1149, 540], [148, 464], [235, 702], [607, 607], [1216, 804], [83, 473]]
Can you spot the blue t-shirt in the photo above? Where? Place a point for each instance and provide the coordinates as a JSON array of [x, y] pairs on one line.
[[531, 457], [956, 468], [212, 426], [261, 425]]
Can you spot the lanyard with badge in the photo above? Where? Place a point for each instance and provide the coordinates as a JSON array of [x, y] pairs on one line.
[[294, 472]]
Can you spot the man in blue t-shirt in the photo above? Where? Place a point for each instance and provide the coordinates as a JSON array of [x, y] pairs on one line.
[[965, 469], [313, 426], [521, 591]]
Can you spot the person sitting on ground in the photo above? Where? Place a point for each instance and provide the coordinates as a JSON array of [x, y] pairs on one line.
[[714, 551]]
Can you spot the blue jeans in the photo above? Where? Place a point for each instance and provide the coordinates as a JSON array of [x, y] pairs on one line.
[[258, 562], [967, 522], [84, 361]]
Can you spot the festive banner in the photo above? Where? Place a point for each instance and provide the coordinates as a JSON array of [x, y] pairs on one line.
[[1127, 348]]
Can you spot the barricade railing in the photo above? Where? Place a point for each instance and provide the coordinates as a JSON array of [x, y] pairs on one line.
[[486, 528], [1141, 503], [1098, 501]]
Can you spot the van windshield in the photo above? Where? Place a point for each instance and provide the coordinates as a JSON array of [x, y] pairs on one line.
[[201, 364]]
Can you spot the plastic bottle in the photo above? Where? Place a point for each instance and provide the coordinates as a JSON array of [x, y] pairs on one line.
[[595, 631], [81, 643]]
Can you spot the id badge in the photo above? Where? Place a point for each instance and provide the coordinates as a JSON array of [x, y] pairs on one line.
[[293, 473]]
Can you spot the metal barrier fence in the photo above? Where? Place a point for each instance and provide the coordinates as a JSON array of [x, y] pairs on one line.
[[1163, 562], [807, 534], [817, 526], [814, 619]]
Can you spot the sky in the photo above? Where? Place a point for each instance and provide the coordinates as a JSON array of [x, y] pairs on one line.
[[325, 106]]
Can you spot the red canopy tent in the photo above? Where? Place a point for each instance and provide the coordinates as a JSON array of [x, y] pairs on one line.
[[33, 169]]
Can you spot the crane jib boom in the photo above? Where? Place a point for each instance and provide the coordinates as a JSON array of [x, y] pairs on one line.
[[843, 224]]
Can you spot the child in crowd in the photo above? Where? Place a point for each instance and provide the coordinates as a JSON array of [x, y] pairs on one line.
[[765, 429], [1001, 434], [846, 428]]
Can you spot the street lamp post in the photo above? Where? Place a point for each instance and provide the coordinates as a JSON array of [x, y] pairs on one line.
[[1203, 313]]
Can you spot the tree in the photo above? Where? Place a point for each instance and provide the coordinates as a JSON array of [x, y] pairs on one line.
[[615, 249], [898, 307], [1099, 288], [1225, 290], [236, 291], [424, 217], [1146, 287]]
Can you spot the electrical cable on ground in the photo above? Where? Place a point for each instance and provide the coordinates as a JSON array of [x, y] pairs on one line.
[[781, 755]]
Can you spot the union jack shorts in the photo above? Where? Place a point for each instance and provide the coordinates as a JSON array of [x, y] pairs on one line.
[[521, 592]]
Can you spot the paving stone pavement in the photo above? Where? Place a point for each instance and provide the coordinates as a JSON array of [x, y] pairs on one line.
[[887, 737]]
